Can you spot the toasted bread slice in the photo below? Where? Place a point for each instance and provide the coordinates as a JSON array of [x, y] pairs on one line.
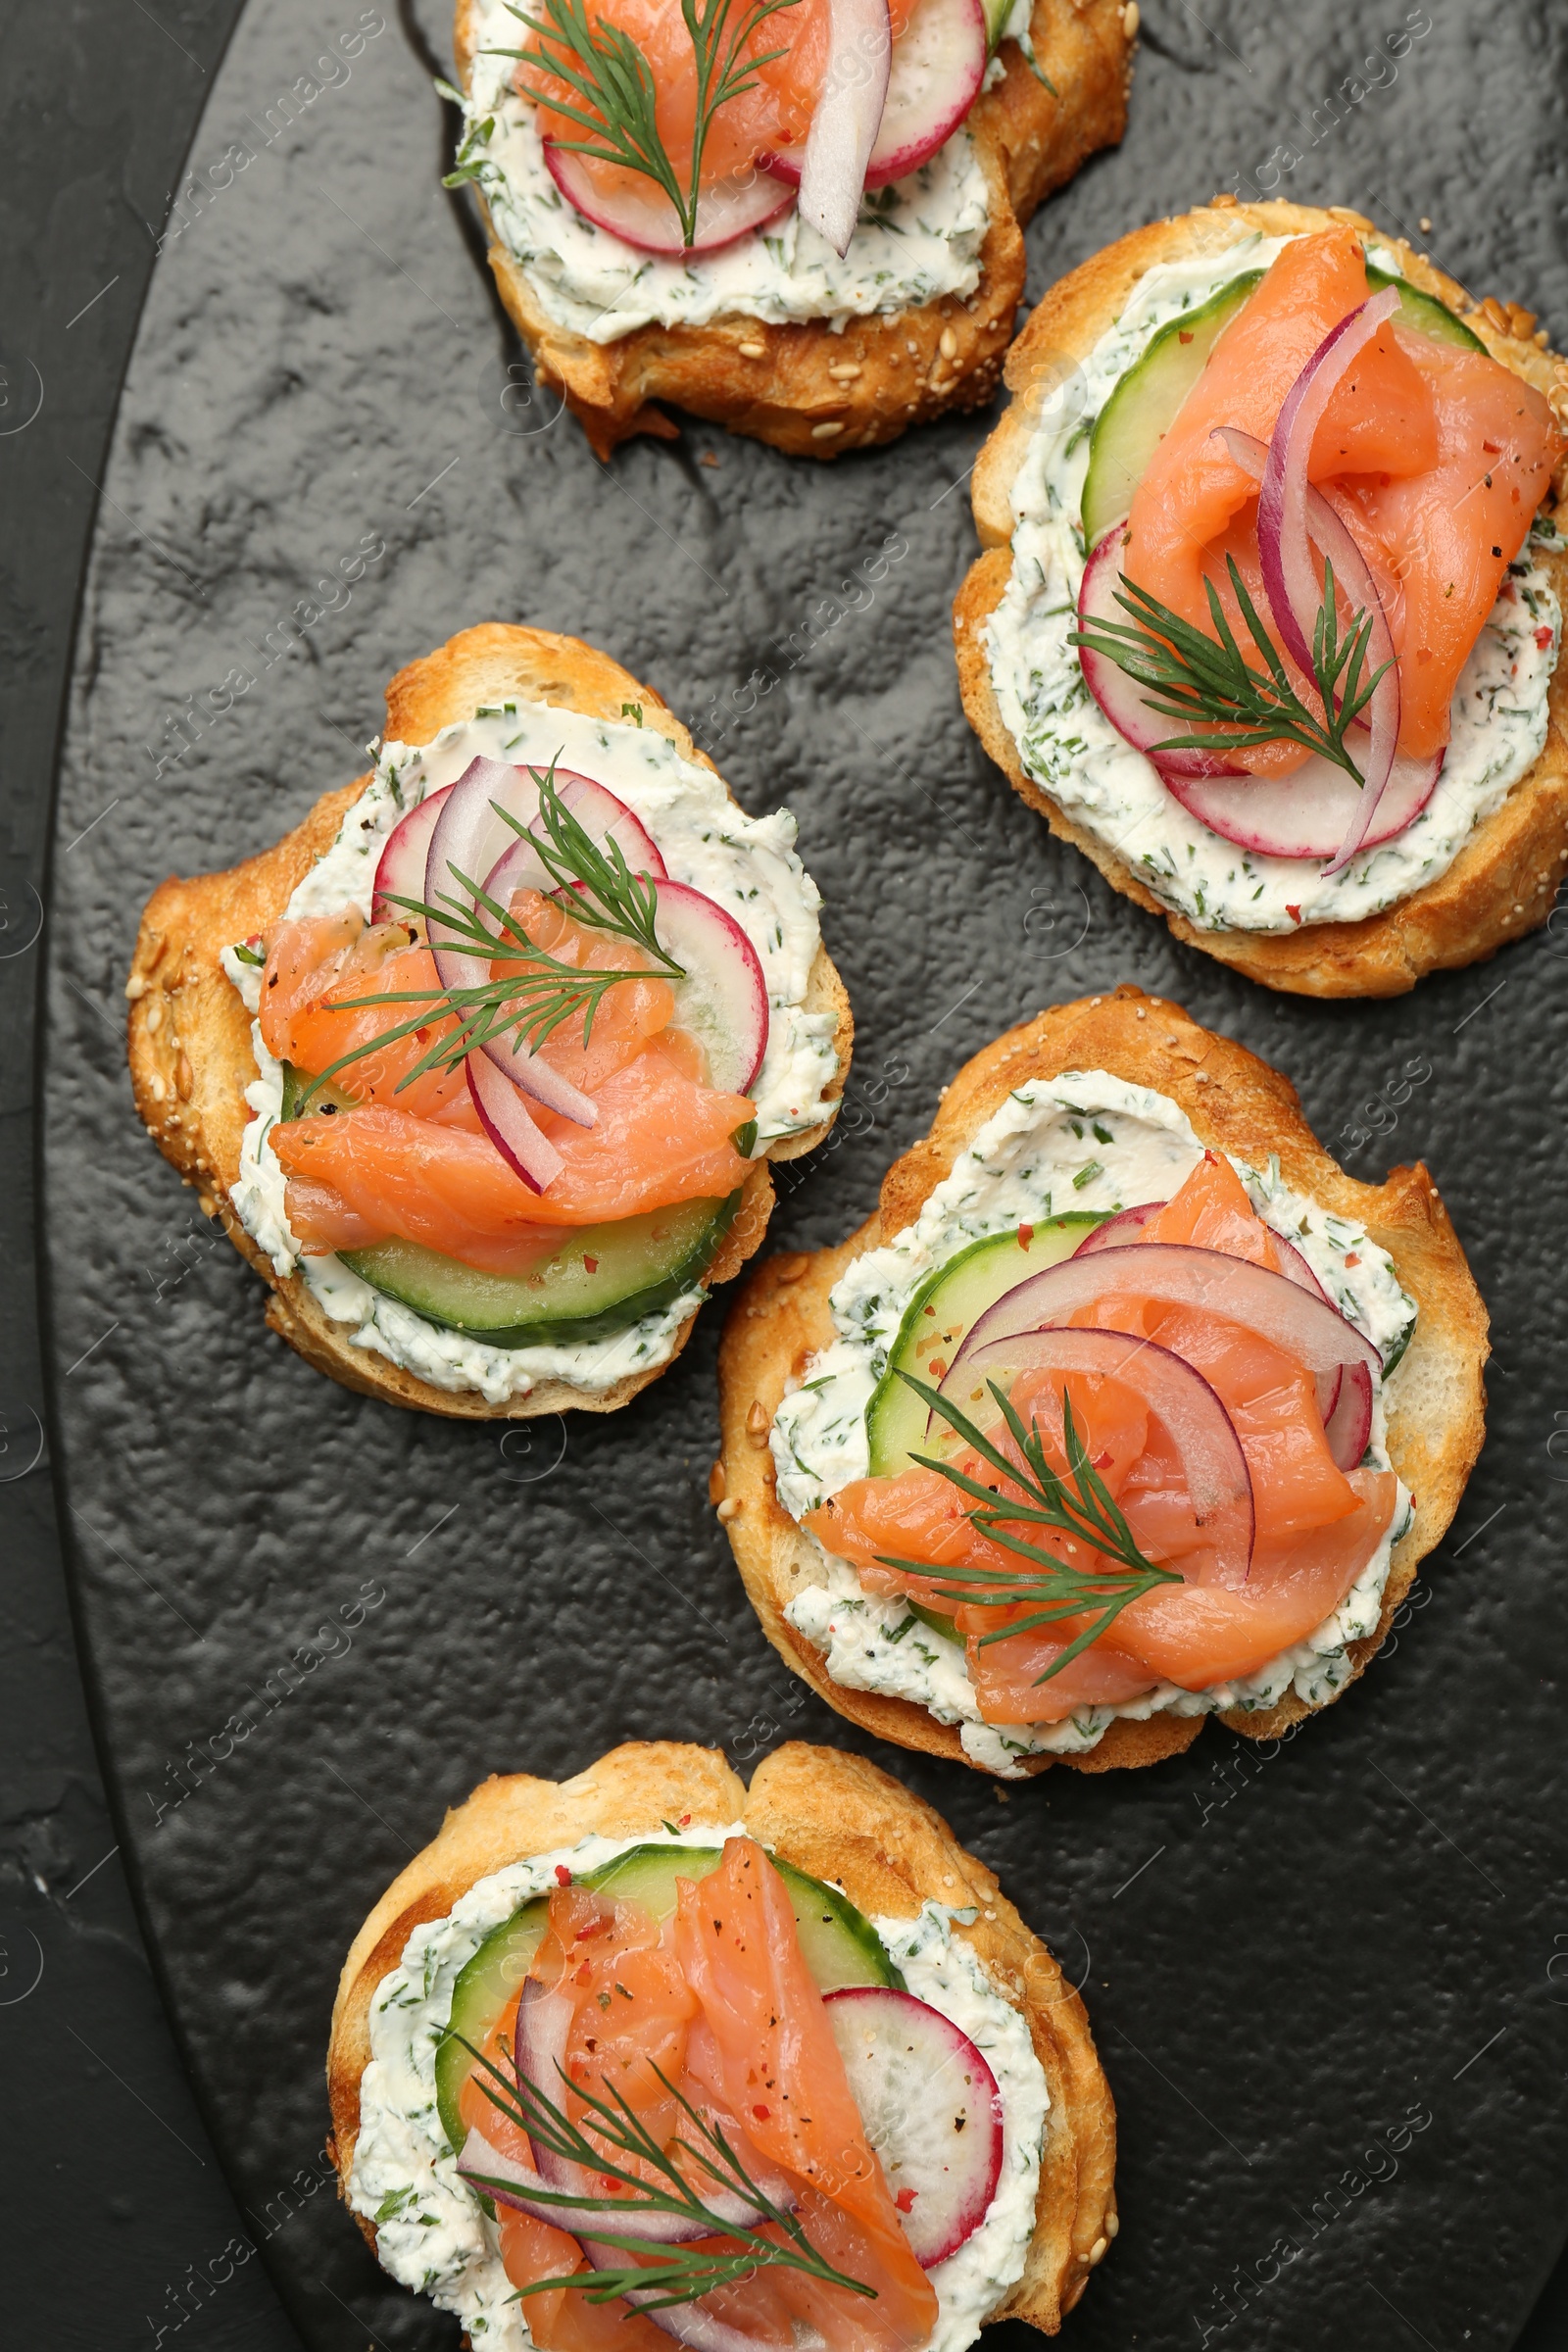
[[841, 1819], [1503, 882], [1033, 130], [190, 1035], [1236, 1104]]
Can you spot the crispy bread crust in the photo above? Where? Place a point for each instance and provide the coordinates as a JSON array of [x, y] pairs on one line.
[[1236, 1104], [189, 1036], [1030, 142], [1503, 882], [839, 1818]]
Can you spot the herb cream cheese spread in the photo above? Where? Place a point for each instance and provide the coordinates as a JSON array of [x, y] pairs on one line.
[[1068, 746], [1083, 1141], [917, 241], [747, 864], [431, 2233]]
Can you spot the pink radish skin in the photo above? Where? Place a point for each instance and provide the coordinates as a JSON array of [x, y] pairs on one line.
[[730, 209], [1119, 696], [939, 62], [1213, 1465], [931, 2108], [403, 860], [724, 998], [1306, 813]]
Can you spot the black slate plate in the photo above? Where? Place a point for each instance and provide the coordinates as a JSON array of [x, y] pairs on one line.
[[1287, 1957]]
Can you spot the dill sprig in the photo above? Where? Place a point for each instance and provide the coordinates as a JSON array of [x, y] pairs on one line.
[[612, 78], [1080, 1505], [1207, 680], [528, 1004], [680, 2273]]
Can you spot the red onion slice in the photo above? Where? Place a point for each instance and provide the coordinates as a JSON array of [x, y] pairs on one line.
[[1347, 1426], [847, 119], [1213, 1465], [1284, 536], [1179, 1274], [504, 1116], [600, 814]]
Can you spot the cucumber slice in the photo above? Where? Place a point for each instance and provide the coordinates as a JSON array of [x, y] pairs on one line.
[[944, 1307], [1424, 313], [1142, 406], [602, 1279], [838, 1942], [484, 1986]]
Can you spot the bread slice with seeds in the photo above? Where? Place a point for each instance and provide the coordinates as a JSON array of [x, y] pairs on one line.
[[1236, 1103], [840, 1819], [189, 1034], [1503, 882], [820, 387]]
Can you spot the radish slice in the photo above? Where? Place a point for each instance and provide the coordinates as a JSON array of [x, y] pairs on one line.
[[1220, 1485], [1178, 1274], [1120, 697], [931, 2109], [641, 214], [600, 815], [404, 859], [504, 1116], [1308, 813], [847, 117], [1290, 576], [1349, 1425], [1117, 1231], [724, 998], [937, 67]]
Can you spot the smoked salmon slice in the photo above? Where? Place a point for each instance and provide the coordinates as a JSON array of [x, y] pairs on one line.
[[1436, 458], [411, 1160], [1315, 1528]]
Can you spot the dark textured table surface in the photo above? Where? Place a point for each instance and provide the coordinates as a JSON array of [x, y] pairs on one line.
[[1286, 1959]]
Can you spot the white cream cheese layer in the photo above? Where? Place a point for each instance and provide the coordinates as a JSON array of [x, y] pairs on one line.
[[916, 242], [431, 2233], [1071, 750], [1084, 1141], [747, 864]]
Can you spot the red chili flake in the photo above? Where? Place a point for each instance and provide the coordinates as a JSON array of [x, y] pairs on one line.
[[760, 2114], [1294, 913], [562, 1875], [1493, 448], [1182, 336], [682, 1820], [906, 2196], [1543, 639], [937, 1368], [590, 1265], [1027, 1234], [1352, 1259]]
